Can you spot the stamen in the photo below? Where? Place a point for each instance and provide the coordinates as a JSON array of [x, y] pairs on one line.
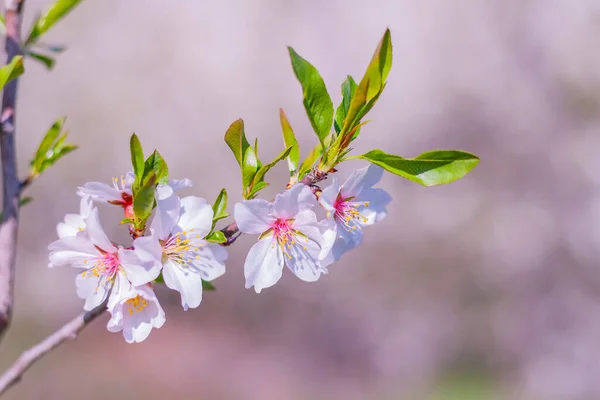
[[346, 211]]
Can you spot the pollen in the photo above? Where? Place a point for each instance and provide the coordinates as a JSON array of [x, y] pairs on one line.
[[182, 247], [136, 304], [347, 212]]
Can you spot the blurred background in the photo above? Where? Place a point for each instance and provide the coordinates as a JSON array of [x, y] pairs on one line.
[[488, 288]]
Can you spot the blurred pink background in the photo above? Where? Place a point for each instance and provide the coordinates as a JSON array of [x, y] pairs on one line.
[[488, 288]]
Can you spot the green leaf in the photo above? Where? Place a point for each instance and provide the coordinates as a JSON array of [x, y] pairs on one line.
[[56, 154], [372, 83], [48, 61], [249, 167], [348, 90], [143, 200], [25, 200], [289, 139], [47, 143], [137, 158], [265, 168], [155, 163], [216, 237], [236, 140], [432, 168], [220, 207], [317, 102], [44, 22], [11, 70], [51, 149], [208, 285], [310, 161], [255, 189]]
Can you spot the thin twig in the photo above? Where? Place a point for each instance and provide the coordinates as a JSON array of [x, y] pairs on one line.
[[30, 356], [10, 180]]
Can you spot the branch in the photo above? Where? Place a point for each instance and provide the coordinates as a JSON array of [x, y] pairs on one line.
[[29, 357], [10, 180]]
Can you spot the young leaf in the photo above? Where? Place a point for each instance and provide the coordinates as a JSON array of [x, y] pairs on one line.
[[220, 207], [348, 90], [255, 189], [137, 158], [236, 140], [317, 102], [155, 163], [249, 167], [143, 200], [11, 70], [47, 142], [208, 286], [432, 168], [372, 83], [289, 139], [261, 172], [51, 149], [309, 161], [216, 237], [44, 22], [46, 60]]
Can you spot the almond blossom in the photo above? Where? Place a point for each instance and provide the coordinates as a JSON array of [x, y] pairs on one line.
[[289, 235], [352, 206], [135, 312], [180, 226], [104, 265], [120, 191], [76, 223]]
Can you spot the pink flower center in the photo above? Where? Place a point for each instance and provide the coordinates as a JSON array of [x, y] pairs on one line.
[[347, 213], [182, 247], [285, 234], [105, 268]]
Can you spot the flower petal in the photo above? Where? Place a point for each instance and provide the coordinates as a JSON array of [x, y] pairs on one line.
[[178, 184], [253, 216], [304, 260], [168, 207], [99, 191], [321, 232], [86, 205], [352, 237], [73, 224], [294, 200], [210, 262], [264, 264], [196, 216], [90, 288], [143, 263], [187, 281], [136, 320], [361, 179], [329, 195], [72, 250], [339, 248], [376, 211], [96, 233]]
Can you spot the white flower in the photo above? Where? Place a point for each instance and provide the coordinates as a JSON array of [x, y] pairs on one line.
[[353, 205], [289, 234], [120, 191], [187, 259], [104, 264], [135, 312], [118, 194], [76, 223]]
